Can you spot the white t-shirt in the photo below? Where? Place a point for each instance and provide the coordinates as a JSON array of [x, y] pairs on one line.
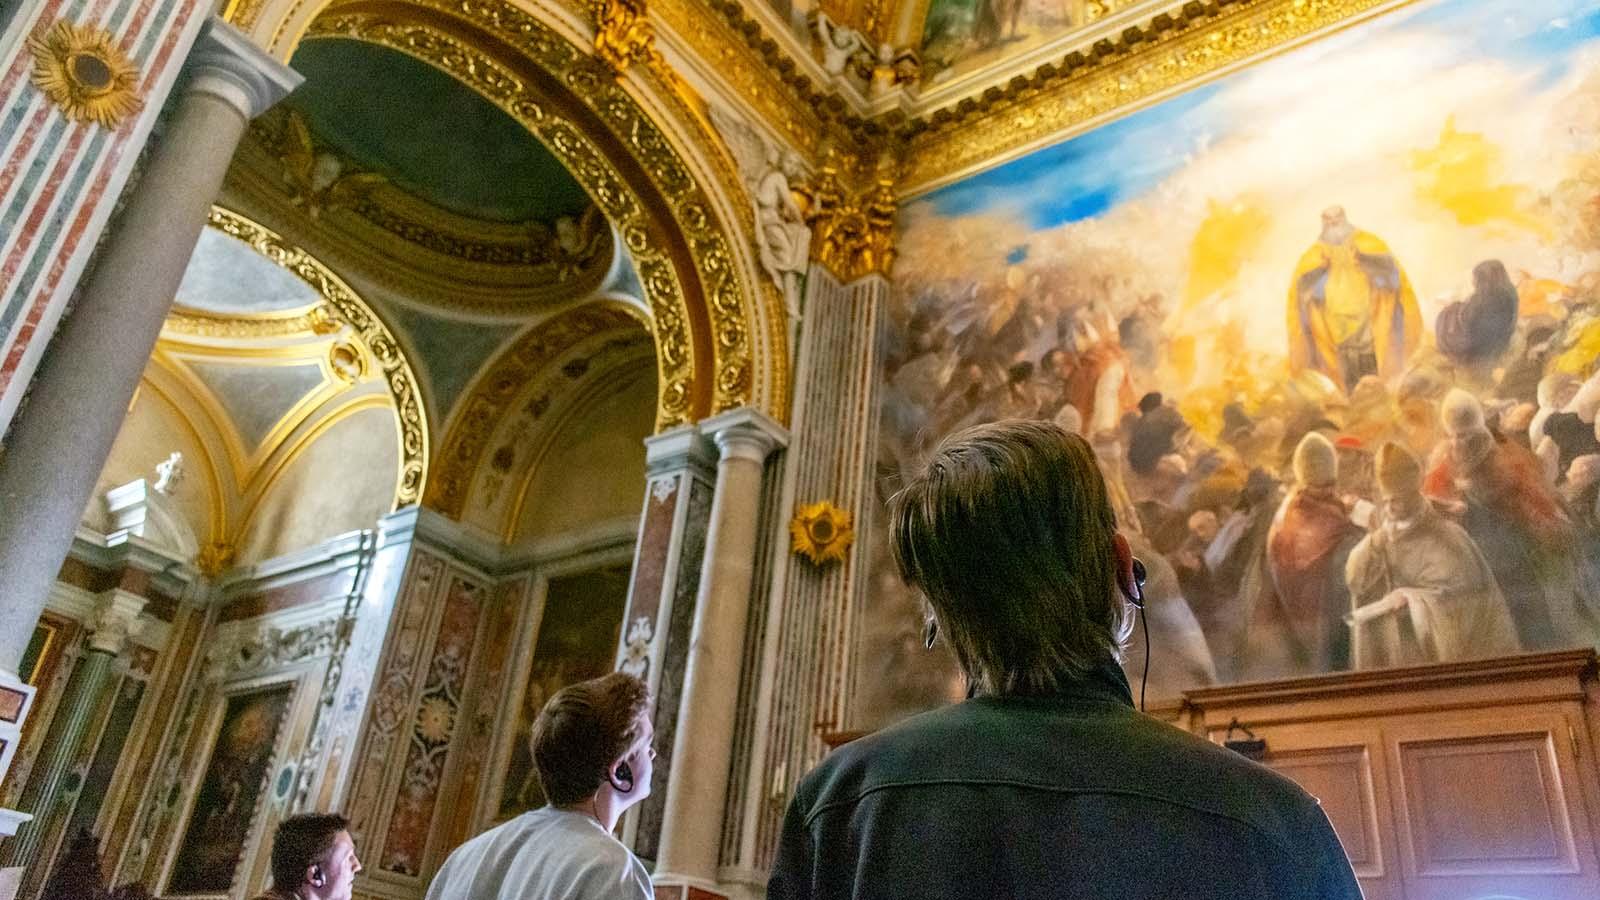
[[545, 854]]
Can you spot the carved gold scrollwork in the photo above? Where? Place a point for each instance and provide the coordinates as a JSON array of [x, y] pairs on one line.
[[623, 35], [340, 304]]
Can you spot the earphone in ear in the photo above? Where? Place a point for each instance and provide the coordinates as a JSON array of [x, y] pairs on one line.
[[1139, 576], [1137, 599], [624, 779]]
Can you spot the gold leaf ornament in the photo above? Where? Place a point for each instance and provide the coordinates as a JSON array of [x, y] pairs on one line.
[[83, 71], [821, 532]]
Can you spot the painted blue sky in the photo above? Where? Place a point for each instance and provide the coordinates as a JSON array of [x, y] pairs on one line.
[[1094, 172]]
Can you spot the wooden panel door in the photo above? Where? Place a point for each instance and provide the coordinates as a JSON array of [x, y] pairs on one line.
[[1489, 804], [1342, 766]]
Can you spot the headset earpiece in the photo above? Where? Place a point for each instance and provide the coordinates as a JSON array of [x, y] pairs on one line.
[[1137, 599], [1136, 596]]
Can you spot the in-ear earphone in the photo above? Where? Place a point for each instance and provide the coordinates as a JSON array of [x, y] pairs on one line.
[[624, 778], [1137, 599]]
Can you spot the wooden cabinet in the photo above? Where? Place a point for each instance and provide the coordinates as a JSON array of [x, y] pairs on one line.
[[1444, 782]]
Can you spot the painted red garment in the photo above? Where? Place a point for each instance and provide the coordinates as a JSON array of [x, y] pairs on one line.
[[1508, 482], [1082, 384], [1308, 543]]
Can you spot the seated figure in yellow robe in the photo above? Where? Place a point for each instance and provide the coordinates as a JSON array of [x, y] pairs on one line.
[[1351, 308]]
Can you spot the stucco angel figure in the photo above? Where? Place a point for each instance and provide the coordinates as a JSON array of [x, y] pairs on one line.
[[782, 236], [318, 178], [841, 45]]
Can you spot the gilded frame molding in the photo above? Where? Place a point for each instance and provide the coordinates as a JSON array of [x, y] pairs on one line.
[[489, 397]]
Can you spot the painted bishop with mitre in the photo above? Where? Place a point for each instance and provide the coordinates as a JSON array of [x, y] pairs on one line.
[[1420, 589], [1351, 308]]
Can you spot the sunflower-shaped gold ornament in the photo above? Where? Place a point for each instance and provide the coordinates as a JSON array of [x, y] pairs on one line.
[[821, 532], [85, 73]]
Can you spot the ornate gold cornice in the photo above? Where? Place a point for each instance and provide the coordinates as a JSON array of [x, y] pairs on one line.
[[342, 305], [948, 133], [647, 192], [243, 14], [498, 384], [353, 244]]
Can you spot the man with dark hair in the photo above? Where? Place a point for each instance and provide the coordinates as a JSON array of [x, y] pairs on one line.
[[313, 858], [591, 746], [1047, 783]]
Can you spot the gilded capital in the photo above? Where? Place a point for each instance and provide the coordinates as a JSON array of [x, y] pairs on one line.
[[852, 235]]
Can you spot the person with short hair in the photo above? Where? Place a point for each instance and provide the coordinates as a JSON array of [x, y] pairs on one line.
[[1047, 783], [591, 747], [313, 858]]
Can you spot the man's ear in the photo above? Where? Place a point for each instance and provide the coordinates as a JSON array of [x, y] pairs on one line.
[[621, 777], [1124, 555], [315, 876]]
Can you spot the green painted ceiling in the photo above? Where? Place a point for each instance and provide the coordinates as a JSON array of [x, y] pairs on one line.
[[429, 134]]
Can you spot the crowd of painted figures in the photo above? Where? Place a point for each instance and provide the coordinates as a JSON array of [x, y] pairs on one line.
[[1393, 497]]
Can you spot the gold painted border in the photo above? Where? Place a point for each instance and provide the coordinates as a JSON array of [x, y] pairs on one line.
[[266, 478]]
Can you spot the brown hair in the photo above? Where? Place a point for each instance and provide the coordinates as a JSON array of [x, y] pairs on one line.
[[301, 842], [584, 729], [1008, 531]]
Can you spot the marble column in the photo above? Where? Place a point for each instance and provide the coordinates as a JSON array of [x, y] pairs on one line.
[[80, 393], [50, 790], [680, 473], [691, 837], [814, 615]]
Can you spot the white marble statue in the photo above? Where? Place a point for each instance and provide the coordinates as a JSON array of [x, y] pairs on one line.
[[168, 474], [783, 239], [840, 44]]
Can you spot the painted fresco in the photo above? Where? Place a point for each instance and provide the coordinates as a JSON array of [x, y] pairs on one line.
[[961, 35], [1331, 325], [578, 636], [230, 791]]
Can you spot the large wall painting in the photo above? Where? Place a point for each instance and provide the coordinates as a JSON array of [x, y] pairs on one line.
[[578, 636], [229, 792], [1331, 325]]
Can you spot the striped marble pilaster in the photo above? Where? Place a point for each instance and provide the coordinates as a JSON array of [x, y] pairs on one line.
[[59, 178]]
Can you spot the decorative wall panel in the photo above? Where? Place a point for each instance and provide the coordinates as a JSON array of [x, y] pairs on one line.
[[60, 177]]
